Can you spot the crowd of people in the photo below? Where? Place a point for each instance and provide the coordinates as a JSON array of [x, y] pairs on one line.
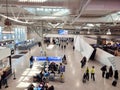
[[110, 73], [41, 86], [106, 72], [89, 72], [47, 73]]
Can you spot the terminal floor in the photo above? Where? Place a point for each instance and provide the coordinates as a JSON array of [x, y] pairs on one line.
[[73, 74]]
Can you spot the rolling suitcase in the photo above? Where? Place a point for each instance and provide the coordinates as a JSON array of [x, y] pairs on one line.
[[114, 83], [84, 80], [107, 75]]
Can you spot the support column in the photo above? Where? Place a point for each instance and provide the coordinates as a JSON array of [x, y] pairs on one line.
[[51, 40]]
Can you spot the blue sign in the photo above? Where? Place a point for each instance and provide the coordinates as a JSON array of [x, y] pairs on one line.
[[54, 58], [48, 58], [40, 58]]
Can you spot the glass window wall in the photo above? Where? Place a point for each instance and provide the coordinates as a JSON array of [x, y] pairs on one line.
[[18, 35]]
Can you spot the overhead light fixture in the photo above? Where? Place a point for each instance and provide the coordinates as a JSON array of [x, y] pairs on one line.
[[85, 27], [7, 23], [90, 25], [108, 32]]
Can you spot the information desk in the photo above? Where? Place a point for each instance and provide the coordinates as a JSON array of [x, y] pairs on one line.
[[50, 58]]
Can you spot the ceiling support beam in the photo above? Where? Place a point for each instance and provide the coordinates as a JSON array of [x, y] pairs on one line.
[[82, 8]]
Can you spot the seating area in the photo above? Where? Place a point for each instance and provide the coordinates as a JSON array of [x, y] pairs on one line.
[[47, 72]]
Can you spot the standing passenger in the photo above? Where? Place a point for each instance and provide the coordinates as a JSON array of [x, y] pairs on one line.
[[104, 69], [87, 73], [93, 73], [116, 75], [110, 71], [31, 61]]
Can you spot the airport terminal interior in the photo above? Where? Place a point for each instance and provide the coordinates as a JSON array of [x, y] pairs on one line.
[[59, 44]]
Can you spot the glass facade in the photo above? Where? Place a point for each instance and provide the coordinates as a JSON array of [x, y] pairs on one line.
[[18, 35]]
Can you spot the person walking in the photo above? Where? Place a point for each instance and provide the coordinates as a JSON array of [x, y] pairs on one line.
[[104, 69], [93, 73], [83, 62], [31, 61], [87, 74], [110, 71]]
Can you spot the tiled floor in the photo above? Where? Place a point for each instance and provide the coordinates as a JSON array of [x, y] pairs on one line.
[[73, 74]]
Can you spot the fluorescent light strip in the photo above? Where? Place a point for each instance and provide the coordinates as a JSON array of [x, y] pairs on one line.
[[7, 32], [33, 0]]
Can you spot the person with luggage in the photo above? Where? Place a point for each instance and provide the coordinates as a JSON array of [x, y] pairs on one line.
[[104, 69], [87, 74], [114, 83], [93, 73], [84, 78], [110, 71]]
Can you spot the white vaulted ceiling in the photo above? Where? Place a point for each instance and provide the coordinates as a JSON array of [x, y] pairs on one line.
[[73, 13]]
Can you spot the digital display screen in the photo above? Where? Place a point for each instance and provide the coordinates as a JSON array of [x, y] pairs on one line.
[[62, 32]]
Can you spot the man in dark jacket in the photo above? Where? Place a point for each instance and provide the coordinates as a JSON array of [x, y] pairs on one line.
[[116, 75], [31, 61], [103, 69]]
